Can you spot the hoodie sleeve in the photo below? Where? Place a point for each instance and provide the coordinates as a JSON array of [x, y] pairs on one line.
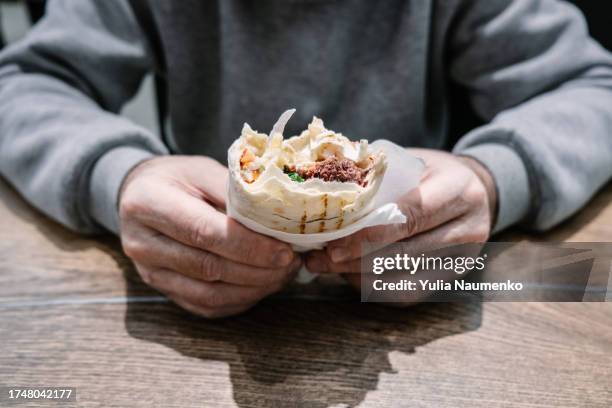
[[62, 143], [545, 89]]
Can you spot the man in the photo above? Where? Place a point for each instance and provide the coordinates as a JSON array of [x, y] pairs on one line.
[[370, 69]]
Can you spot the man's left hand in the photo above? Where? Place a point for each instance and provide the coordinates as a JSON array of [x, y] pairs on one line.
[[453, 204]]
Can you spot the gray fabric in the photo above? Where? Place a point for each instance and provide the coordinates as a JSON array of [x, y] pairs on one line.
[[370, 69], [513, 194], [106, 179]]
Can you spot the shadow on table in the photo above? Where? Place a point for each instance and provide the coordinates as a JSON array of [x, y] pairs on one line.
[[295, 352], [286, 351]]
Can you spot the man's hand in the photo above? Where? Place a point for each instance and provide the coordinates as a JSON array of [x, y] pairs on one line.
[[454, 204], [185, 247]]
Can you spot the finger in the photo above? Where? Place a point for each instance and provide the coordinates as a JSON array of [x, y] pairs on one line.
[[209, 178], [462, 230], [210, 295], [149, 247], [425, 207], [194, 222], [210, 313], [207, 312], [459, 231]]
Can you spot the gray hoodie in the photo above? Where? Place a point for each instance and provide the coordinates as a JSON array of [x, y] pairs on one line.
[[395, 69]]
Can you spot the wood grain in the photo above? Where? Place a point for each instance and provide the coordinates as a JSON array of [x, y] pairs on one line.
[[290, 350]]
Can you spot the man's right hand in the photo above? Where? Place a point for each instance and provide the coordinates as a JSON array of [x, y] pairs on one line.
[[183, 246]]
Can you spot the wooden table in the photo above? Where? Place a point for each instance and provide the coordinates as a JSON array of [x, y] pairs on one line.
[[74, 313]]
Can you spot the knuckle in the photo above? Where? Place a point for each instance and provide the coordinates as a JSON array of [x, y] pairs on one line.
[[474, 193], [152, 278], [480, 233], [413, 221], [131, 206], [144, 274], [210, 267], [214, 300], [374, 234], [202, 235], [254, 251], [134, 248], [146, 278], [475, 233]]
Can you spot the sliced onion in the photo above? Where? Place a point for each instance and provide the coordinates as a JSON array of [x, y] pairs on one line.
[[279, 126]]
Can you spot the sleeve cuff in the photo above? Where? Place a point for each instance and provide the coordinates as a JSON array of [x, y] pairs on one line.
[[511, 181], [106, 178]]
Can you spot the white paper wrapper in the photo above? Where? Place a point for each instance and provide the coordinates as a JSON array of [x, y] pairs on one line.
[[403, 174]]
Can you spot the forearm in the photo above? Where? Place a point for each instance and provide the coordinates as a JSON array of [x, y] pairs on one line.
[[563, 139], [62, 143], [545, 88], [51, 137]]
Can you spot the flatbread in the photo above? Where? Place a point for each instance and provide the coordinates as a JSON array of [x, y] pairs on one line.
[[261, 189]]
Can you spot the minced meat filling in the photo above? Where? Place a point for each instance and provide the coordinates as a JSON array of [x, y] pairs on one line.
[[334, 169]]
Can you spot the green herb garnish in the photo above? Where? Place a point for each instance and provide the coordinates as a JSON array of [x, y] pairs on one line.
[[295, 177]]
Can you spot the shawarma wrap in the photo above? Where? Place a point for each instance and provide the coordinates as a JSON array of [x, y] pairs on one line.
[[318, 181]]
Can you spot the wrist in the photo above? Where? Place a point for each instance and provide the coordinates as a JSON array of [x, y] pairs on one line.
[[131, 174], [512, 185], [488, 182], [107, 177]]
